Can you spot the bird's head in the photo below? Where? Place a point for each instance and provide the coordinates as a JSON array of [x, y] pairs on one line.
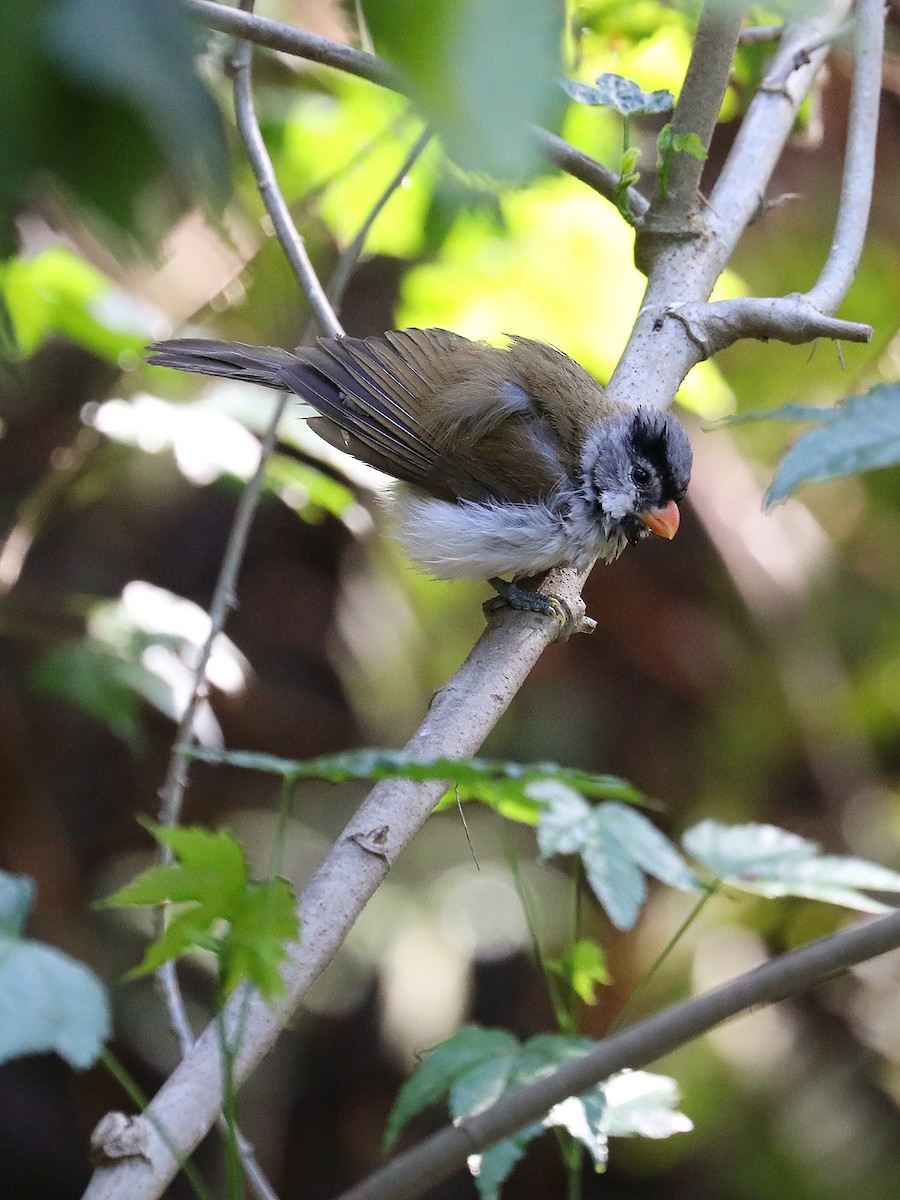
[[636, 467]]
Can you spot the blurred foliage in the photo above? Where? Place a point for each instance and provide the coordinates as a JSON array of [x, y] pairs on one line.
[[481, 74], [97, 95], [48, 1001]]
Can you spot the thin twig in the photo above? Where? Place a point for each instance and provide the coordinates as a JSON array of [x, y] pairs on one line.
[[758, 35], [349, 256], [840, 267], [223, 600], [291, 241]]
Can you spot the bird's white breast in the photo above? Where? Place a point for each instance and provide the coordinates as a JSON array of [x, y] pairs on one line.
[[468, 540]]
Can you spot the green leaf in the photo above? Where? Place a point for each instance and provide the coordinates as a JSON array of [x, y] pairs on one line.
[[432, 1079], [583, 967], [48, 1001], [56, 292], [307, 490], [476, 1066], [211, 878], [481, 74], [503, 785], [623, 95], [257, 941], [668, 144], [767, 861], [860, 434], [140, 54], [617, 845], [89, 675], [16, 899]]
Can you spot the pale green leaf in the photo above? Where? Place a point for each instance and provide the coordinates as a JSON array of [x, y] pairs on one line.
[[860, 434], [49, 1002]]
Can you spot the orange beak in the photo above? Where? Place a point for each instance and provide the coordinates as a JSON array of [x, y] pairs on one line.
[[663, 522]]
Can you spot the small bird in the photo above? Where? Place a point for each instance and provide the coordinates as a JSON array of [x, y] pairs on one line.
[[516, 459]]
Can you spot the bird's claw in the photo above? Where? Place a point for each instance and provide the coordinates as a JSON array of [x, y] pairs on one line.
[[510, 595]]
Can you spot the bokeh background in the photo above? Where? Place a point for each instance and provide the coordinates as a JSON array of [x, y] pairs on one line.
[[750, 671]]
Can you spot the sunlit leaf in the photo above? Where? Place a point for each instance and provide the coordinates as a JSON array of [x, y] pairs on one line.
[[476, 1067], [506, 786], [56, 292], [583, 967], [211, 884], [772, 862], [623, 95], [641, 1104]]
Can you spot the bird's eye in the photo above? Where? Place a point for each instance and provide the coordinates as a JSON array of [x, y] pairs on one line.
[[640, 476]]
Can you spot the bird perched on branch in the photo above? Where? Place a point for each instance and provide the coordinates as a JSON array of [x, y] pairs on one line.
[[516, 459]]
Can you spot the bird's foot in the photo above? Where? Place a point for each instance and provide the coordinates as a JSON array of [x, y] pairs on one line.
[[510, 595]]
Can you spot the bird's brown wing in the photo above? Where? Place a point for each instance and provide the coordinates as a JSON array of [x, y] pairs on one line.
[[381, 399], [459, 419]]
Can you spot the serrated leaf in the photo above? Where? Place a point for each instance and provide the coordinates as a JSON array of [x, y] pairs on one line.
[[212, 882], [580, 1116], [16, 899], [767, 861], [616, 851], [434, 1076], [506, 786], [49, 1002], [491, 1169], [257, 940], [623, 95], [785, 412], [860, 434], [477, 1066], [583, 967], [731, 850]]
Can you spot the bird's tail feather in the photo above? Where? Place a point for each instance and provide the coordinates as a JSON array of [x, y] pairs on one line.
[[227, 360]]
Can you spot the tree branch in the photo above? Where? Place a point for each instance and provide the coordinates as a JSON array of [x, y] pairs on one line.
[[714, 326], [859, 161], [428, 1164], [697, 110], [291, 241], [689, 267]]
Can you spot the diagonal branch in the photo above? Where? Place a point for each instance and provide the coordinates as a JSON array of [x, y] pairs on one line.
[[802, 318], [411, 1174], [688, 269]]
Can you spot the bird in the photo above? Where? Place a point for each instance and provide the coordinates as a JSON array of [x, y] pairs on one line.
[[513, 459]]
